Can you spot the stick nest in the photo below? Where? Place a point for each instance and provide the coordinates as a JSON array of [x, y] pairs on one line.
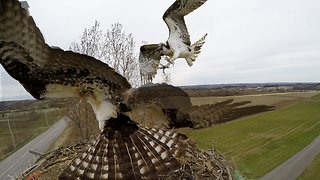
[[196, 164]]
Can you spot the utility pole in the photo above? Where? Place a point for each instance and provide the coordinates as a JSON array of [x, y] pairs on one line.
[[13, 141], [45, 114]]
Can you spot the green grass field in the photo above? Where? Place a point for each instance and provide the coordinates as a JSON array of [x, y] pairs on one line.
[[273, 99], [257, 144], [25, 126], [312, 172]]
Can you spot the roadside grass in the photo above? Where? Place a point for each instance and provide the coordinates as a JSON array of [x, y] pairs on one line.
[[257, 144], [24, 128], [312, 172]]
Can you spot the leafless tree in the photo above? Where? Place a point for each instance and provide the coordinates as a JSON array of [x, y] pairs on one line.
[[119, 48], [115, 47], [90, 42], [82, 119]]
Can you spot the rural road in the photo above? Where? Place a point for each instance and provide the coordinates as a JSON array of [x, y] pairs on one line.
[[21, 159], [294, 166]]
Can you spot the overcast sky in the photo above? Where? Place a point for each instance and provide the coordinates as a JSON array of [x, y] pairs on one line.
[[248, 40]]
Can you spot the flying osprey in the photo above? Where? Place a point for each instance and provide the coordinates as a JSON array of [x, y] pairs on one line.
[[124, 150], [178, 44]]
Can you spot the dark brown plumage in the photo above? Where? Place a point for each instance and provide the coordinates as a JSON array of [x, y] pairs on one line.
[[149, 59], [124, 150], [176, 105], [164, 95]]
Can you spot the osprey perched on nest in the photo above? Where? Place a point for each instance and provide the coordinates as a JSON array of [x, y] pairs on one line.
[[178, 44], [124, 150]]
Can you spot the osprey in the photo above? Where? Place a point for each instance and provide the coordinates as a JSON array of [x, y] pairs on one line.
[[124, 149], [178, 44]]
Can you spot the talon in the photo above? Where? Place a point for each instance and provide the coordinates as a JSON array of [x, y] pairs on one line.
[[163, 67], [169, 60]]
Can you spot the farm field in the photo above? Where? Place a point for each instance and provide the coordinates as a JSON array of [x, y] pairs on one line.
[[254, 144], [257, 144], [25, 125], [276, 99]]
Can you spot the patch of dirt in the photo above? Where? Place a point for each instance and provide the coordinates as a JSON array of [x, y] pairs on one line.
[[284, 103]]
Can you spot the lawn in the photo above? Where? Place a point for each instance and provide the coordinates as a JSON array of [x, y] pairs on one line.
[[257, 144]]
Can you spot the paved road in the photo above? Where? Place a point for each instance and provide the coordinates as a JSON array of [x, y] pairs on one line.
[[21, 159], [294, 166]]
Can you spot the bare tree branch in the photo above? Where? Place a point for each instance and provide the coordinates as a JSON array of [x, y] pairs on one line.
[[114, 47]]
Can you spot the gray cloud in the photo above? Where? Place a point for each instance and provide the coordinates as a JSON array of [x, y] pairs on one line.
[[249, 41]]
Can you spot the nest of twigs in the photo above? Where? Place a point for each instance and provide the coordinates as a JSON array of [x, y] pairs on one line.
[[51, 164], [202, 165], [196, 164]]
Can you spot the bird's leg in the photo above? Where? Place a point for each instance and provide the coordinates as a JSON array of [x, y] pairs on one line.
[[163, 67], [167, 58], [174, 57]]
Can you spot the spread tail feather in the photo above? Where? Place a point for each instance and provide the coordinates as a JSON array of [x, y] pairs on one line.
[[126, 150], [196, 49]]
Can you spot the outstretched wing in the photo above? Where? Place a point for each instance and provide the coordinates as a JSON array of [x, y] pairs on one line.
[[48, 72], [207, 115], [158, 104], [174, 18], [124, 150], [164, 95], [149, 59], [27, 58], [65, 74]]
